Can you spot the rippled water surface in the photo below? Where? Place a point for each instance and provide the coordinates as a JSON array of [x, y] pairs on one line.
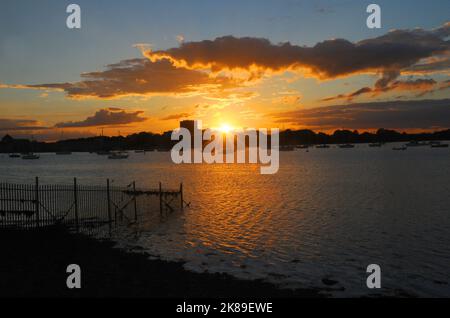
[[327, 213]]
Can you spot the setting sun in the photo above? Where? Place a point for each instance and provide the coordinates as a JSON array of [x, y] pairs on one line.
[[225, 128]]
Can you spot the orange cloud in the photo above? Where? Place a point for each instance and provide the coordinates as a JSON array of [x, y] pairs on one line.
[[140, 77], [7, 124], [177, 116]]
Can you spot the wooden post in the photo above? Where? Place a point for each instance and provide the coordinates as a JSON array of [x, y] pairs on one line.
[[36, 200], [75, 198], [181, 197], [109, 206], [135, 204], [160, 199]]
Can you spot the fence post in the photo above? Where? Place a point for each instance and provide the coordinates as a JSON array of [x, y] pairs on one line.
[[36, 200], [109, 206], [160, 199], [75, 197], [181, 197], [135, 204]]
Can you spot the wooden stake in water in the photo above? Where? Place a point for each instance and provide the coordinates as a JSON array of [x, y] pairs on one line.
[[36, 200], [160, 199], [109, 206], [135, 204], [75, 197], [181, 197]]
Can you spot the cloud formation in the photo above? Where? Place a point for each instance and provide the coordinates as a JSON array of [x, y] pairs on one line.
[[106, 117], [138, 77], [177, 116], [388, 54], [7, 124], [219, 66], [413, 114], [420, 86]]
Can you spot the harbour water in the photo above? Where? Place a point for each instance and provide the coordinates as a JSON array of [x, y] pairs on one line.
[[318, 222]]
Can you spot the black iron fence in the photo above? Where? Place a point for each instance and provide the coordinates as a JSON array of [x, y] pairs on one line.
[[85, 208]]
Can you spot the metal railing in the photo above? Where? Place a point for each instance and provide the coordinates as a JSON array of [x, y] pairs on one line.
[[84, 208]]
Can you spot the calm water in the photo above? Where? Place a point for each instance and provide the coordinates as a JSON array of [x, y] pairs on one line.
[[327, 213]]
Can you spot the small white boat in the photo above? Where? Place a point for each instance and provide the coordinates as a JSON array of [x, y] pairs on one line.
[[119, 155], [30, 156], [324, 146]]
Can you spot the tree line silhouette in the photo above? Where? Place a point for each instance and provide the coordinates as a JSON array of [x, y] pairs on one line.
[[153, 141]]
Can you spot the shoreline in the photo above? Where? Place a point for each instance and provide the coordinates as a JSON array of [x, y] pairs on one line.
[[35, 262]]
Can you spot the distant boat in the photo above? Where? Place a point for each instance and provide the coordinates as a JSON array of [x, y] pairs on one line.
[[118, 155], [302, 146], [415, 143], [400, 148], [375, 144], [103, 153], [139, 151], [324, 146], [438, 144], [14, 155], [30, 156], [63, 153], [287, 148], [346, 146]]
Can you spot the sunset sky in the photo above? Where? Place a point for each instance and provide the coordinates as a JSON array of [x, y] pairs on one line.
[[145, 65]]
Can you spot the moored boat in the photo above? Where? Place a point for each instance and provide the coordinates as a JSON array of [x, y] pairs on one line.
[[103, 153], [30, 156], [415, 143], [347, 146], [14, 155], [438, 144], [119, 155]]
